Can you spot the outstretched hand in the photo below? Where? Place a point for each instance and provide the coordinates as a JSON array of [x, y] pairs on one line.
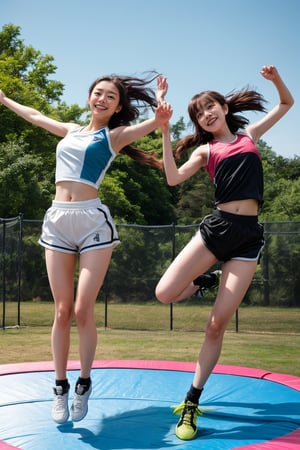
[[163, 115], [269, 72], [162, 89]]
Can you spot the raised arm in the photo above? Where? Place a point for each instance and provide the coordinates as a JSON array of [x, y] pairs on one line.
[[175, 175], [126, 135], [286, 101], [35, 117]]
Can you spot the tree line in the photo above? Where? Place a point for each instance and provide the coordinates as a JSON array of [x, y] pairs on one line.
[[135, 194]]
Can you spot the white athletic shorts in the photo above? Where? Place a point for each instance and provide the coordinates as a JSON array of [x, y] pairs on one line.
[[78, 227]]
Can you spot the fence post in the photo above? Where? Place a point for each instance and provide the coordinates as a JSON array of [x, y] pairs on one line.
[[20, 254], [237, 320], [173, 257], [265, 267], [105, 311], [3, 275]]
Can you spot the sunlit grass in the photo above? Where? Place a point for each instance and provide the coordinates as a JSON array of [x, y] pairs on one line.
[[268, 338]]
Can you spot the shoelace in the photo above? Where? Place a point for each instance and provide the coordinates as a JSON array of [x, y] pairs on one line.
[[78, 400], [188, 411], [59, 402], [59, 398]]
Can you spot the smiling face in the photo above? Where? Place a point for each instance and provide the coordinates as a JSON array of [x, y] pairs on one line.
[[211, 114], [207, 111], [104, 99]]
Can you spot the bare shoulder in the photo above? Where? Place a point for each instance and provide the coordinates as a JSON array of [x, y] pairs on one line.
[[116, 135], [64, 128], [73, 126], [201, 154]]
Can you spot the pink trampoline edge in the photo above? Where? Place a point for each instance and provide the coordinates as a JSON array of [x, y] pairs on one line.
[[45, 366], [287, 442]]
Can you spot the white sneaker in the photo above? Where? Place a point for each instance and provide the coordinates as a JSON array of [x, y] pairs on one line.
[[79, 407], [60, 409]]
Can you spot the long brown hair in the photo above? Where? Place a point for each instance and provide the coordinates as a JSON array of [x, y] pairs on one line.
[[244, 100], [135, 96]]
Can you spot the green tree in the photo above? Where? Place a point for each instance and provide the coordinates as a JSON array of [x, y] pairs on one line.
[[281, 181], [25, 76], [21, 188], [177, 129], [137, 194]]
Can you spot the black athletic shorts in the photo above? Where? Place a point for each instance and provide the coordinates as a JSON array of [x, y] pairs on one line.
[[232, 236]]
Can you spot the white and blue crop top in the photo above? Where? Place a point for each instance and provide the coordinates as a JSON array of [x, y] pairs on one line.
[[84, 157]]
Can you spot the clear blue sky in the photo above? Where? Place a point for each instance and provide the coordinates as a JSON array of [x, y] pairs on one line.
[[197, 44]]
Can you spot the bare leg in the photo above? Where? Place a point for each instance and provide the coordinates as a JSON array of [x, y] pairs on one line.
[[236, 278], [177, 282], [92, 271], [60, 268]]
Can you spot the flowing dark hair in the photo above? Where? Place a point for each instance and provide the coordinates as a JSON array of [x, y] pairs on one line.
[[237, 101], [135, 95]]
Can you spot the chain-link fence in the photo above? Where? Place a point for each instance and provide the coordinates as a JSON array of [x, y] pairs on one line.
[[10, 267], [138, 263]]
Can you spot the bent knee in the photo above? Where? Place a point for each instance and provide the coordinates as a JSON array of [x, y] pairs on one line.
[[162, 294]]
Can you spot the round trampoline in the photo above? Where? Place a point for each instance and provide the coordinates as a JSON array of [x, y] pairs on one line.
[[131, 408]]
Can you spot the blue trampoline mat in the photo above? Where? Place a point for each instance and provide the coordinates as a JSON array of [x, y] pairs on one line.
[[131, 408]]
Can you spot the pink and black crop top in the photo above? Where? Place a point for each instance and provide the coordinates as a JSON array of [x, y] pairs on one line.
[[236, 170]]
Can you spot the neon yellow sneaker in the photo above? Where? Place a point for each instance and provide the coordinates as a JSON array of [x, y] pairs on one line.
[[186, 428]]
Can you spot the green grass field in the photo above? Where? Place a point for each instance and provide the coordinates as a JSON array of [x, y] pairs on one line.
[[268, 338]]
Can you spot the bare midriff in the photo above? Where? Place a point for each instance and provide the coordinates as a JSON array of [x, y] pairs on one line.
[[73, 191], [248, 207]]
